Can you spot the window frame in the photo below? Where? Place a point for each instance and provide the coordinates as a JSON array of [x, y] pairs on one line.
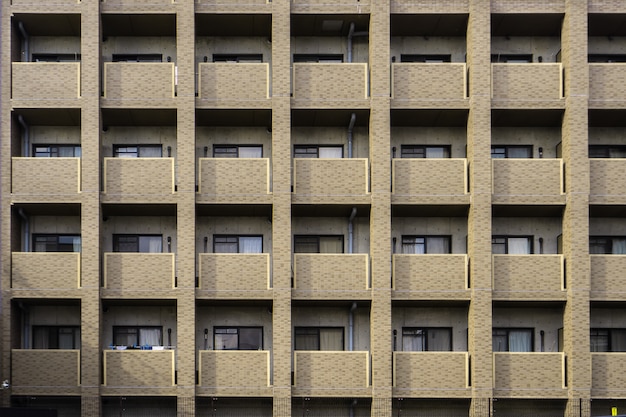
[[607, 149], [425, 238], [117, 236], [609, 336], [53, 150], [507, 148], [508, 330], [57, 243], [606, 58], [425, 337], [237, 328], [238, 238], [75, 330], [405, 151], [426, 58], [531, 240], [45, 57], [218, 154], [318, 58], [137, 153], [318, 330], [137, 329], [137, 58], [316, 149], [512, 58], [238, 58], [318, 238], [608, 245]]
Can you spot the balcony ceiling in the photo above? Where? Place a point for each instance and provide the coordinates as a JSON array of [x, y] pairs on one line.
[[234, 25], [327, 25], [531, 24], [399, 210], [49, 117], [329, 210], [138, 117], [138, 210], [36, 209], [527, 118], [428, 25], [50, 24], [328, 117], [431, 118], [607, 24], [242, 210], [607, 118], [527, 211], [607, 211], [138, 25], [234, 117]]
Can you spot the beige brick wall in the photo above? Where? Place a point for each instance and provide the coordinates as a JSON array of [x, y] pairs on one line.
[[330, 83], [234, 275], [45, 372], [331, 374], [429, 6], [606, 84], [138, 80], [528, 180], [46, 176], [531, 84], [607, 273], [430, 277], [529, 375], [433, 83], [234, 373], [230, 180], [531, 277], [607, 184], [229, 82], [608, 378], [325, 6], [138, 177], [45, 271], [527, 6], [434, 180], [431, 374], [41, 81], [139, 271], [329, 276], [337, 180], [138, 368]]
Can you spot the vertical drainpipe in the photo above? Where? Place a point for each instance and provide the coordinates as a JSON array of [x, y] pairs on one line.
[[351, 327], [350, 133], [25, 241], [351, 231], [350, 35], [25, 136], [20, 27]]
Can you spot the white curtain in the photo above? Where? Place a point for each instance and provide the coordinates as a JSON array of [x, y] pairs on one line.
[[250, 152], [307, 341], [250, 244], [438, 245], [520, 341], [413, 247], [331, 244], [150, 152], [437, 153], [151, 244], [331, 339], [619, 246], [413, 341], [519, 246], [617, 153], [76, 244], [150, 337], [330, 152]]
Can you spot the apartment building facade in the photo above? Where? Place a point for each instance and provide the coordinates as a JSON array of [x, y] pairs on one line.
[[313, 207]]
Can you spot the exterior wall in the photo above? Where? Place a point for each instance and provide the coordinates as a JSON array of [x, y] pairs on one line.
[[520, 180], [316, 179], [607, 381], [139, 271], [607, 181], [242, 180], [44, 271], [606, 273], [138, 177], [605, 81], [430, 276], [437, 180], [59, 177], [252, 272], [529, 277], [138, 80], [330, 82], [528, 83], [228, 82], [228, 373], [429, 82], [138, 368], [548, 228], [530, 375], [38, 372], [320, 275], [415, 371], [607, 226]]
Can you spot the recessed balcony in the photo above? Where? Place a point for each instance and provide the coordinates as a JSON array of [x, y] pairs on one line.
[[56, 178], [230, 84], [234, 180], [45, 84], [331, 276], [528, 277], [528, 181], [45, 271], [234, 275], [531, 375], [527, 84], [234, 373], [430, 277], [435, 84], [330, 180], [45, 372], [431, 374]]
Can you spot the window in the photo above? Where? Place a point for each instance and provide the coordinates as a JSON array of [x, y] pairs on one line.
[[138, 243], [323, 58], [315, 151], [608, 340], [237, 151], [56, 337], [319, 338], [133, 336], [425, 244], [426, 58], [318, 244], [137, 151], [511, 245], [607, 245], [423, 339], [56, 57], [607, 151], [238, 338], [54, 151], [237, 58], [607, 57], [512, 58], [512, 340], [237, 244], [56, 243], [138, 58], [512, 151], [424, 151]]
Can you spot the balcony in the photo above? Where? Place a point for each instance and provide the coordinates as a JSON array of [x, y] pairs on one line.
[[136, 180], [142, 372], [431, 374], [138, 272], [430, 181], [607, 181], [139, 83], [528, 181], [607, 282], [234, 275], [430, 277], [45, 84], [41, 271], [233, 6], [331, 374], [529, 375], [432, 84], [528, 277], [58, 179], [325, 6], [606, 85], [527, 85], [331, 276], [333, 181], [318, 85], [45, 372], [607, 375], [230, 85], [234, 373], [137, 5], [410, 6], [234, 180]]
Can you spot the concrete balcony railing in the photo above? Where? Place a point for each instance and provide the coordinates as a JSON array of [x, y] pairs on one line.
[[411, 6], [41, 83], [431, 374], [430, 276], [45, 372], [138, 178], [528, 181], [44, 271], [234, 83], [607, 277], [429, 181], [438, 84], [330, 180], [138, 369], [328, 276], [234, 372], [528, 277], [331, 84], [531, 84], [234, 6], [139, 271], [234, 180], [607, 377], [606, 85], [137, 81], [331, 373], [607, 181], [531, 375], [56, 3], [234, 275], [59, 177]]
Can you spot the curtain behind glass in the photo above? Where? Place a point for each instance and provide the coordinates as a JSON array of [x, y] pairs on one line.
[[413, 246], [618, 340], [519, 246], [619, 246], [599, 341], [151, 244], [251, 244], [150, 337], [438, 244], [250, 152], [439, 339], [520, 341], [437, 153], [306, 340], [331, 339], [40, 338], [150, 152], [413, 341], [330, 152], [522, 152], [331, 244]]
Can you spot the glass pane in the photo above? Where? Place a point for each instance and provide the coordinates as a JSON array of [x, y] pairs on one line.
[[598, 246], [225, 244], [519, 152], [40, 338], [438, 244], [618, 340], [304, 244], [150, 244], [250, 152], [66, 338], [520, 341], [439, 340], [126, 152], [150, 337], [330, 152], [125, 337], [413, 245], [331, 339], [437, 152], [251, 244], [150, 151], [619, 246], [126, 244], [498, 153], [305, 152], [617, 152], [307, 339], [413, 340], [599, 340], [519, 245], [250, 339], [499, 341], [331, 244]]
